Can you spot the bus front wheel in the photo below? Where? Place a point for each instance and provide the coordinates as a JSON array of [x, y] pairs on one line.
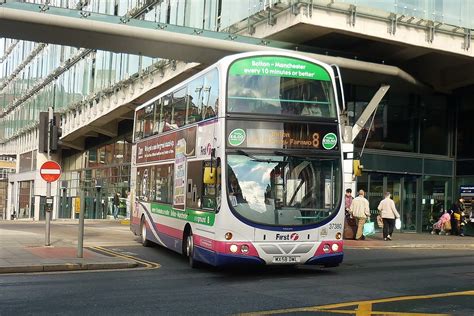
[[144, 240], [190, 250]]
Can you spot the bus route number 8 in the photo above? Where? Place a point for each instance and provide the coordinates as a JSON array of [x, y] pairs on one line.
[[316, 140]]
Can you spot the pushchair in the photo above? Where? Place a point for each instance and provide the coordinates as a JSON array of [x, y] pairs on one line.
[[443, 225]]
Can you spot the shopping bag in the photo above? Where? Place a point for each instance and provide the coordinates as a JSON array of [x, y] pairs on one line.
[[447, 226], [369, 229], [398, 223], [379, 221]]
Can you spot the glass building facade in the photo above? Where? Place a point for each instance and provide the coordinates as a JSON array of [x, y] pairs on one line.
[[103, 170]]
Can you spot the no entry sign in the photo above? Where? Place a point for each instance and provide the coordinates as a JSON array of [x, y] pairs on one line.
[[50, 171]]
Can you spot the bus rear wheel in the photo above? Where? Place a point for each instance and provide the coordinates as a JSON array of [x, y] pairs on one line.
[[144, 240], [189, 250]]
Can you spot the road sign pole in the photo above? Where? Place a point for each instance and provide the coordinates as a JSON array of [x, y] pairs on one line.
[[80, 234], [48, 184]]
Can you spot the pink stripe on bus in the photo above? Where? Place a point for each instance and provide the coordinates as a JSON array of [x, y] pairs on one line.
[[170, 231]]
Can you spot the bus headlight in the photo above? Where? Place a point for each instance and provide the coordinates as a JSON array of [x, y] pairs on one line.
[[338, 236], [244, 249], [335, 247], [326, 248], [234, 248]]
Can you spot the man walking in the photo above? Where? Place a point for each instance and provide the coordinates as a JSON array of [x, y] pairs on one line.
[[388, 211], [116, 205], [360, 210]]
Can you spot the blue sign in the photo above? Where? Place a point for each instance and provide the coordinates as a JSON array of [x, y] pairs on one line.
[[466, 190]]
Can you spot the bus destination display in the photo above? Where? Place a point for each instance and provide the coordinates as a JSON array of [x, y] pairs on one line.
[[281, 135]]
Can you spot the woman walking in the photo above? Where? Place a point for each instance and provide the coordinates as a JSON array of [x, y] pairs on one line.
[[388, 211]]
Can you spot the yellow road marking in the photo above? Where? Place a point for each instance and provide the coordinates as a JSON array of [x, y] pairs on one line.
[[146, 263], [364, 309], [362, 305]]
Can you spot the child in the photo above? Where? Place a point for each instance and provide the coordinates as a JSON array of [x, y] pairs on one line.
[[443, 225]]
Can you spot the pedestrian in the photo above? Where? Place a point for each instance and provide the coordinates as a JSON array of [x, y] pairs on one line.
[[350, 224], [360, 210], [116, 205], [348, 201], [127, 204], [389, 212], [457, 211]]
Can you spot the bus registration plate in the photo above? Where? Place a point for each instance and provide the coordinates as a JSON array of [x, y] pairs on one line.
[[286, 259]]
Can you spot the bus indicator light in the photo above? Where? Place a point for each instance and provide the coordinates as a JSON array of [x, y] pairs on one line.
[[228, 235]]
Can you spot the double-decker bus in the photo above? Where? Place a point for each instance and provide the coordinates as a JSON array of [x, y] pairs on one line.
[[242, 163]]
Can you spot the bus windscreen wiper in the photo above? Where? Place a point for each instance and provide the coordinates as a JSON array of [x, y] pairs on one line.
[[281, 153], [308, 158], [255, 158]]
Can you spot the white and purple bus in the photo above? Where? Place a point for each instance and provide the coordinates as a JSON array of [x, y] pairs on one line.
[[242, 163]]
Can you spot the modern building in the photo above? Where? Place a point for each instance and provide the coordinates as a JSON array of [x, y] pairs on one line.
[[419, 143]]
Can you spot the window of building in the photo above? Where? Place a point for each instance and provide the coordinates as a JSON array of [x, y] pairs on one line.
[[465, 128], [26, 162], [434, 125], [101, 155], [109, 154], [395, 126]]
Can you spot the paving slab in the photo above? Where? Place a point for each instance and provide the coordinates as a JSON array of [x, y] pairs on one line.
[[414, 240], [22, 246]]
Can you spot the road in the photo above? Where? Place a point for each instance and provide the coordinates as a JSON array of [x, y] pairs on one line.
[[176, 289]]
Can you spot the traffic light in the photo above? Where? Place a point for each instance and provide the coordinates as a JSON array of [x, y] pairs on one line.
[[43, 132], [54, 133], [357, 167]]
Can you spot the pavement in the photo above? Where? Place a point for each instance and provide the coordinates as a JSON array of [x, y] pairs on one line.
[[414, 240], [22, 246]]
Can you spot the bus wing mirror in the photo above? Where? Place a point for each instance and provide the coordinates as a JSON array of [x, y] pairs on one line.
[[209, 175]]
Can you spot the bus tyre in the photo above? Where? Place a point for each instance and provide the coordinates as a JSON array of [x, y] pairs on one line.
[[190, 251], [143, 233]]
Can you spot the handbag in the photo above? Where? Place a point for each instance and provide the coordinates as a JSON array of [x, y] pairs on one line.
[[369, 228], [379, 221], [350, 228]]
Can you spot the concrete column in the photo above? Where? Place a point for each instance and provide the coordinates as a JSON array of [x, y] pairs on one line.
[[10, 201], [349, 182]]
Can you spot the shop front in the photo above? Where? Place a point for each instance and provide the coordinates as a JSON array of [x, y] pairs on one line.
[[99, 173], [420, 198]]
